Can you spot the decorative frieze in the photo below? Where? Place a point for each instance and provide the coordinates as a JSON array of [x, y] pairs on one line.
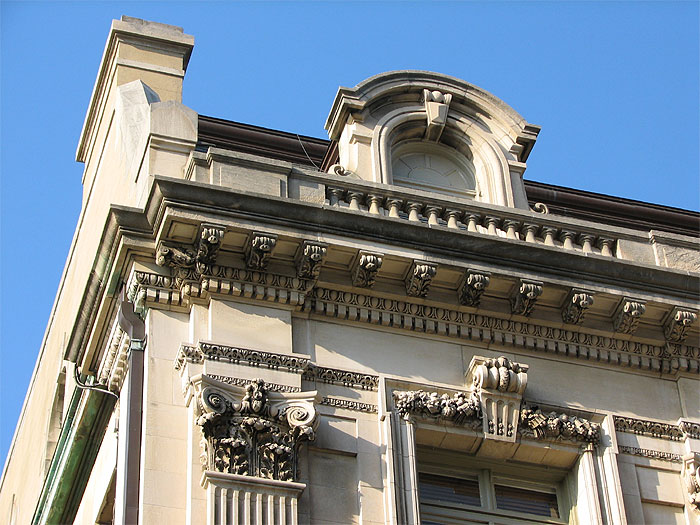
[[524, 296], [649, 428], [575, 306], [365, 268], [690, 429], [473, 287], [349, 404], [237, 381], [651, 454], [677, 324], [626, 317], [525, 335], [554, 425], [218, 352], [691, 475], [341, 377], [462, 408], [309, 259], [419, 277], [253, 436], [259, 250]]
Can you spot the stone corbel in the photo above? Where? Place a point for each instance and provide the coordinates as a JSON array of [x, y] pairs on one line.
[[575, 306], [499, 385], [437, 105], [251, 431], [365, 269], [524, 296], [677, 324], [419, 277], [210, 237], [259, 250], [626, 317], [473, 287], [310, 258]]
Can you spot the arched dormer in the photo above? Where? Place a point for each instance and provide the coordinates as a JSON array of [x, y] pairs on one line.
[[432, 132]]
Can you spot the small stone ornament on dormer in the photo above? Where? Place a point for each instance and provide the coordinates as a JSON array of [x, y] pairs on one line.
[[437, 105], [499, 384]]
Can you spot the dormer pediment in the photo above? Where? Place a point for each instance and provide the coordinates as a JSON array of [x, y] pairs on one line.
[[432, 132]]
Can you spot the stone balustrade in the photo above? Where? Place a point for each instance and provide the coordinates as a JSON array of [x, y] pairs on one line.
[[513, 224]]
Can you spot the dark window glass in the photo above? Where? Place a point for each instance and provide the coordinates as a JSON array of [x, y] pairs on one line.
[[452, 490], [529, 501]]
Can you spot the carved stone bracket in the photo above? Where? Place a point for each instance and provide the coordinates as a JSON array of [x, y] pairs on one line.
[[691, 475], [575, 306], [473, 287], [437, 105], [259, 250], [677, 324], [365, 268], [626, 317], [499, 384], [419, 278], [254, 432], [524, 296], [309, 259], [210, 237]]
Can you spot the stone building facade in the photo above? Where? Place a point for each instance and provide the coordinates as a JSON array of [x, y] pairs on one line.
[[389, 326]]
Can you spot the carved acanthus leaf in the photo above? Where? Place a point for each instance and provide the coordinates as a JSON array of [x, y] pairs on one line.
[[524, 296], [690, 429], [473, 287], [365, 269], [691, 472], [626, 318], [575, 306], [554, 425], [259, 250], [419, 278], [310, 258], [253, 437], [678, 323], [210, 238]]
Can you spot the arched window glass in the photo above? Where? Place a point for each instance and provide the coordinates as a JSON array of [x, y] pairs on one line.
[[433, 167]]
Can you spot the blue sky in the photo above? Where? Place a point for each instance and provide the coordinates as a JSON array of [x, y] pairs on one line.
[[614, 86]]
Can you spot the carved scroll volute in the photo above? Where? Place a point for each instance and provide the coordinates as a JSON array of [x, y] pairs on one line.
[[678, 323], [259, 250], [691, 475], [626, 317], [525, 296], [473, 287], [575, 306], [365, 269], [310, 258], [419, 277], [499, 384]]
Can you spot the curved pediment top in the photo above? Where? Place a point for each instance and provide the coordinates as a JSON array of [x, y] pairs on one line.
[[354, 100]]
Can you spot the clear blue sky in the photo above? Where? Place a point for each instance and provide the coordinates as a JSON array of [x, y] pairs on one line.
[[614, 86]]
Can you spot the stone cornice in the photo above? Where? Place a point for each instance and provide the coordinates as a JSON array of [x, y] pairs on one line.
[[649, 428], [576, 344]]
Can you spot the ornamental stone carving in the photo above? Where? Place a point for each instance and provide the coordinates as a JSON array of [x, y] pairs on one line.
[[365, 269], [436, 106], [524, 296], [691, 474], [575, 306], [473, 287], [677, 324], [210, 238], [259, 250], [310, 258], [689, 429], [649, 428], [419, 278], [254, 436], [499, 384], [553, 425], [626, 318], [461, 408]]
